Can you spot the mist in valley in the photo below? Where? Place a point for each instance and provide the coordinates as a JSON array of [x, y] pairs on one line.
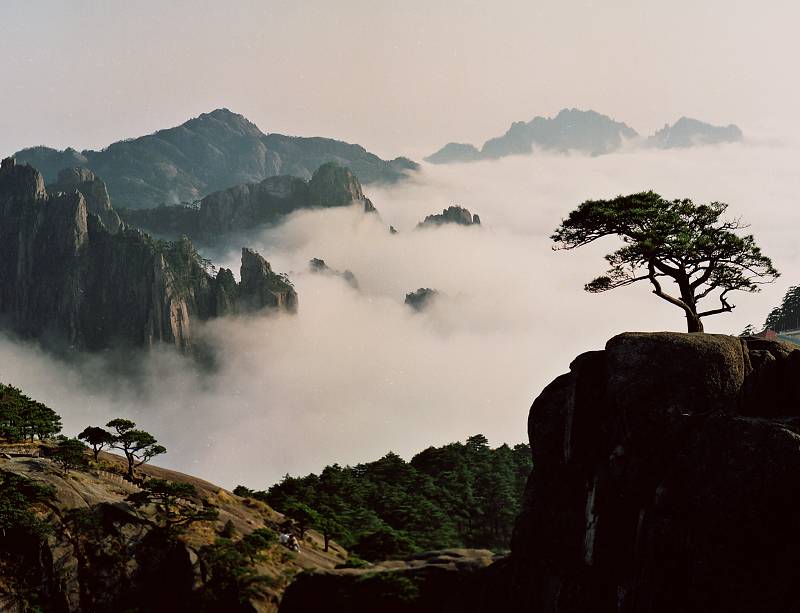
[[357, 373]]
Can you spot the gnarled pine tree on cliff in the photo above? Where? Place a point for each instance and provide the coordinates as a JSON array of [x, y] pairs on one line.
[[674, 239]]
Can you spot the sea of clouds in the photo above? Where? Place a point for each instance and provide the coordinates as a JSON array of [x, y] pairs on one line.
[[356, 373]]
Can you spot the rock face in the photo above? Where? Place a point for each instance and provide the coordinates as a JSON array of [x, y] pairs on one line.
[[421, 299], [333, 185], [244, 207], [67, 277], [206, 154], [452, 214], [688, 132], [102, 555], [433, 582], [318, 266], [94, 192], [260, 287], [664, 480]]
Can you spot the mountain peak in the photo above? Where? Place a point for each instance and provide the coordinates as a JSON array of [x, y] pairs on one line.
[[208, 153], [226, 119], [689, 132], [587, 131]]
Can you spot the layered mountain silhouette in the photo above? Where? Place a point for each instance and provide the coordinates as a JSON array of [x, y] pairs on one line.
[[245, 207], [214, 151], [584, 131], [74, 274], [688, 132]]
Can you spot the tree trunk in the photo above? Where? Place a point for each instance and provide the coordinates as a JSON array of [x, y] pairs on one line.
[[693, 322]]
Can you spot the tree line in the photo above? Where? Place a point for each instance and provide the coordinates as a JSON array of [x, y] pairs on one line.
[[786, 316], [457, 495]]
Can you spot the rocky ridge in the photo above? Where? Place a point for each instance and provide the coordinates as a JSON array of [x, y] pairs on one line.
[[94, 192], [67, 277], [212, 152], [318, 266], [420, 299], [687, 132], [245, 207], [583, 131], [451, 215]]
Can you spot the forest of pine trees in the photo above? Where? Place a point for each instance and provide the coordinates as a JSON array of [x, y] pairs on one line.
[[22, 418], [787, 315], [457, 495]]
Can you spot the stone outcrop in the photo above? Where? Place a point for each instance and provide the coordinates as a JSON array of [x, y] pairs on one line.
[[687, 132], [94, 192], [664, 480], [103, 555], [245, 207], [67, 277], [212, 152], [451, 215], [421, 299], [432, 582], [260, 287], [318, 266]]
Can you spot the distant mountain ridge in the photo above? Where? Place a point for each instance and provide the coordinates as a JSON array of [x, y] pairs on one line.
[[584, 131], [248, 206], [211, 152], [687, 132]]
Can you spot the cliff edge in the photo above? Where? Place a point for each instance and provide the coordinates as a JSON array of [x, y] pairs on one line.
[[664, 480], [72, 272]]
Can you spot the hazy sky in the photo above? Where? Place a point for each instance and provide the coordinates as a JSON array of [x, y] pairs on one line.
[[397, 77]]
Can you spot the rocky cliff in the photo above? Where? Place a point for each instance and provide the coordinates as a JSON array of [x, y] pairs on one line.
[[451, 215], [664, 480], [245, 207], [67, 277], [101, 554], [209, 153], [92, 189], [420, 299], [318, 266]]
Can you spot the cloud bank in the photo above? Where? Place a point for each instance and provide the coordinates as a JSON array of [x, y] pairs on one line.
[[356, 373]]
